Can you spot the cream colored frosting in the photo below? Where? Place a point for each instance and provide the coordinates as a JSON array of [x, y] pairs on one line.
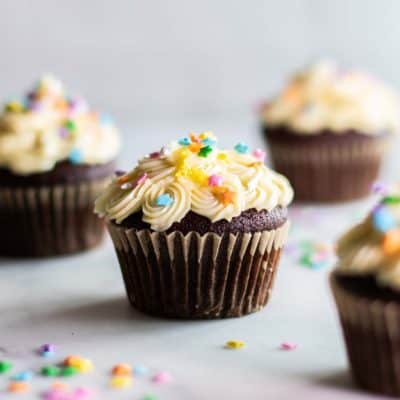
[[324, 97], [47, 127], [373, 246], [219, 185]]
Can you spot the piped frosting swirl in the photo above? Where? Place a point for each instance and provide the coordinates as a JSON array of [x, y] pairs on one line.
[[324, 97], [47, 127], [193, 175], [373, 246]]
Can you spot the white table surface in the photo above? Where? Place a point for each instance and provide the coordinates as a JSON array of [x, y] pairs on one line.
[[79, 304]]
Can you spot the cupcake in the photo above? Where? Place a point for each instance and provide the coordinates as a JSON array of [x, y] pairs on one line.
[[198, 231], [56, 155], [328, 131], [366, 287]]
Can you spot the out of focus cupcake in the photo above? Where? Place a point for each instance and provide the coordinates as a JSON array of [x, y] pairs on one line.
[[56, 155], [328, 131], [198, 231], [366, 287]]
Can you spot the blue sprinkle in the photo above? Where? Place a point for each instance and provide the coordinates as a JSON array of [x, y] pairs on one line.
[[164, 200], [241, 148], [23, 376], [140, 370], [184, 141], [382, 219], [47, 353], [209, 142], [76, 156], [106, 119]]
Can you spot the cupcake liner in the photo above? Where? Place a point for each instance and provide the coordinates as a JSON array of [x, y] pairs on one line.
[[49, 220], [371, 331], [194, 276], [331, 171]]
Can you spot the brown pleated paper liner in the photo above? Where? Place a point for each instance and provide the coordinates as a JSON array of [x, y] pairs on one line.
[[371, 331], [46, 221], [329, 172], [193, 276]]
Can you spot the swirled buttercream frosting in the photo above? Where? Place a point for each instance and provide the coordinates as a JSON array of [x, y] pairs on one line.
[[373, 246], [48, 126], [324, 97], [194, 175]]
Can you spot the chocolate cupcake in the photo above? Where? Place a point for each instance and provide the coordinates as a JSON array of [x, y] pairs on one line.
[[366, 287], [328, 131], [56, 155], [198, 231]]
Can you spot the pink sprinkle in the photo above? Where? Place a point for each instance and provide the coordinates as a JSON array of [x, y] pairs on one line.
[[82, 393], [142, 179], [288, 346], [162, 377], [259, 154], [155, 154], [215, 180]]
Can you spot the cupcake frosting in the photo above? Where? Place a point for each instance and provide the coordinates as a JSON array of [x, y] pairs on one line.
[[373, 246], [194, 175], [324, 97], [47, 127]]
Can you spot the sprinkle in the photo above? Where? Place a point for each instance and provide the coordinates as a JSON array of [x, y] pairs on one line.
[[18, 387], [391, 242], [197, 175], [47, 349], [60, 386], [50, 370], [126, 185], [235, 344], [155, 154], [121, 382], [161, 378], [207, 135], [79, 363], [63, 132], [14, 107], [259, 154], [82, 393], [75, 156], [391, 200], [106, 119], [224, 195], [215, 180], [149, 397], [288, 346], [209, 142], [122, 370], [241, 148], [194, 138], [140, 370], [69, 371], [184, 141], [379, 188], [222, 156], [119, 172], [205, 151], [70, 125], [23, 376], [164, 200], [382, 220], [5, 366], [142, 179], [195, 147]]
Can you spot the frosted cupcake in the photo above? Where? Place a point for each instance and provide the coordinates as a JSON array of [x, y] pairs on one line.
[[198, 231], [366, 286], [328, 131], [56, 155]]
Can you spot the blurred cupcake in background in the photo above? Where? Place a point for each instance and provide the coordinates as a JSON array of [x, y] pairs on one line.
[[366, 287], [198, 231], [56, 155], [328, 131]]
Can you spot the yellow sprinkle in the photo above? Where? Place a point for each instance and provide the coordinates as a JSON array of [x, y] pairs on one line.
[[14, 106], [222, 156], [198, 175], [235, 344], [120, 382], [206, 135], [85, 365]]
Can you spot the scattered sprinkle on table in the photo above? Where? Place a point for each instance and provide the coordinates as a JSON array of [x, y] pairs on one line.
[[5, 366], [18, 387], [122, 370], [69, 371], [23, 376], [121, 382], [287, 346], [50, 370], [162, 378], [139, 370], [47, 350], [235, 344]]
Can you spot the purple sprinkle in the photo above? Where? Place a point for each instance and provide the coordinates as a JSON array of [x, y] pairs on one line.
[[78, 106], [379, 188], [47, 349], [119, 172], [64, 132]]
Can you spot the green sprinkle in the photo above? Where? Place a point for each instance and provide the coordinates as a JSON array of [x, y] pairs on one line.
[[391, 200], [50, 370], [69, 371], [205, 151], [149, 397], [70, 125], [305, 260], [5, 366]]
